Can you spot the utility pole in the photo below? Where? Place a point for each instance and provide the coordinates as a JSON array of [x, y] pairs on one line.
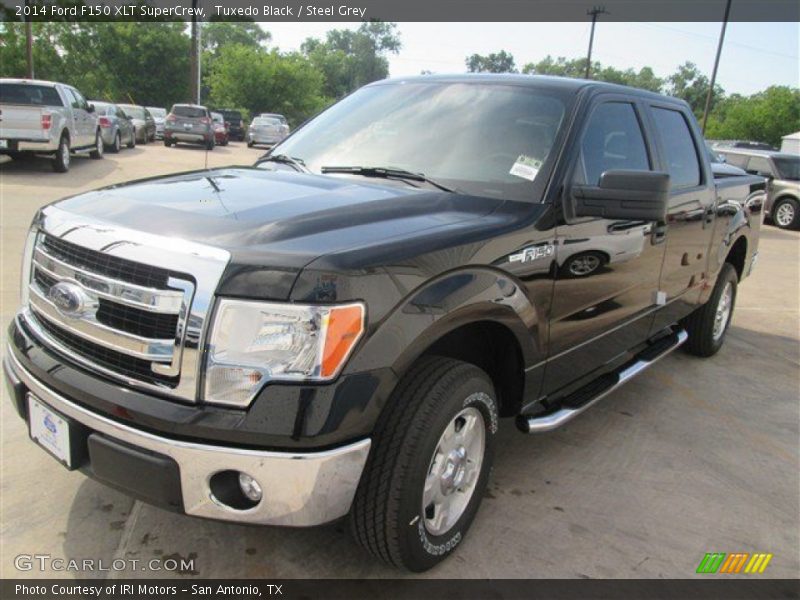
[[194, 58], [710, 94], [597, 10], [28, 44]]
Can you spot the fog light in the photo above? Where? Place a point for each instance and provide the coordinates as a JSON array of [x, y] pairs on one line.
[[250, 487]]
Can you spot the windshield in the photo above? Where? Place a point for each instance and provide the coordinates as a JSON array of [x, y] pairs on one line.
[[135, 112], [217, 118], [158, 113], [788, 167], [481, 139]]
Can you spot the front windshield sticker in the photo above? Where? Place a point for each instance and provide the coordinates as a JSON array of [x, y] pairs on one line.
[[526, 167]]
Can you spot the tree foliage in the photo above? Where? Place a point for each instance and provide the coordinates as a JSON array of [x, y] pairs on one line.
[[576, 67], [265, 81], [766, 116], [496, 62], [691, 85], [350, 59]]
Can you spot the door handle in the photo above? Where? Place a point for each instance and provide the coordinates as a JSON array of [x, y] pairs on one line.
[[659, 233]]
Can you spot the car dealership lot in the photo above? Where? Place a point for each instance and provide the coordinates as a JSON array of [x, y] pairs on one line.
[[695, 456]]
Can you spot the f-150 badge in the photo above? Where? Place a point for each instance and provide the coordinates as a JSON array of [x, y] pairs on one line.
[[533, 253]]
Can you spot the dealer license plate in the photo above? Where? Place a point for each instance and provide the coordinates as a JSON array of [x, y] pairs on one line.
[[49, 429]]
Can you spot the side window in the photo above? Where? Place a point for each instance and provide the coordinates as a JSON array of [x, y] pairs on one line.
[[681, 154], [612, 140], [759, 165], [737, 160]]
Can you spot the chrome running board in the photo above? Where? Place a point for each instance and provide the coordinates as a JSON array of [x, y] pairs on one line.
[[574, 404]]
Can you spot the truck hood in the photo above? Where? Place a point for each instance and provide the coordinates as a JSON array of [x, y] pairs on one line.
[[275, 222]]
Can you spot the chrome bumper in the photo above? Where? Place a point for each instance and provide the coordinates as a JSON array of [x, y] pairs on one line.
[[300, 489]]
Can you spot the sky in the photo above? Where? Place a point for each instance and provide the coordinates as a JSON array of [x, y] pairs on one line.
[[755, 55]]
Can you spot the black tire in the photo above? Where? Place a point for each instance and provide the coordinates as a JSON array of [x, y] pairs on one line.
[[387, 517], [210, 145], [132, 142], [144, 138], [167, 143], [97, 153], [250, 144], [117, 145], [786, 214], [700, 324], [61, 159]]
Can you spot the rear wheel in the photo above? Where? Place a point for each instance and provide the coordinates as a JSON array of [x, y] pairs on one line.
[[786, 214], [117, 145], [132, 141], [210, 144], [428, 466], [144, 138], [62, 155], [708, 325], [99, 147], [583, 264]]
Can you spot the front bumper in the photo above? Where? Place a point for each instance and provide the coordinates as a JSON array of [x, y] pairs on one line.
[[299, 488]]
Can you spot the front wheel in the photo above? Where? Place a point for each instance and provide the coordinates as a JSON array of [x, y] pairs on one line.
[[115, 147], [429, 465], [708, 324], [786, 214]]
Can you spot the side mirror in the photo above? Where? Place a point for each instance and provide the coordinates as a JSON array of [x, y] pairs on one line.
[[624, 194], [90, 108]]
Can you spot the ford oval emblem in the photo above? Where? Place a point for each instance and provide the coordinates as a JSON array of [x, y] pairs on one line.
[[68, 298]]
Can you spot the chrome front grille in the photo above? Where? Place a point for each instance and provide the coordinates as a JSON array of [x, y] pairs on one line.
[[95, 296], [117, 318]]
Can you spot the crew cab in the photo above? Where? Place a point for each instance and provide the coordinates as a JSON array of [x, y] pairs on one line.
[[44, 117], [338, 330]]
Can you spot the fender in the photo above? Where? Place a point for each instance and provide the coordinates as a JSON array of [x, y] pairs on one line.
[[448, 302]]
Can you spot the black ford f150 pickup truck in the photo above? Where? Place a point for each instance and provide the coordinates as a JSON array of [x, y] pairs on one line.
[[338, 329]]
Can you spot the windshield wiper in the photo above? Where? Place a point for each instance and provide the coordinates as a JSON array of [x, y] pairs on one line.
[[296, 163], [387, 173]]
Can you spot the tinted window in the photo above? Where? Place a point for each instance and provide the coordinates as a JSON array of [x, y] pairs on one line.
[[33, 95], [759, 165], [788, 167], [681, 155], [191, 112], [613, 140], [79, 102], [137, 112]]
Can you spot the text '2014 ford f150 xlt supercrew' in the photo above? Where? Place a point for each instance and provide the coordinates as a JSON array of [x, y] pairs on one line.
[[338, 329]]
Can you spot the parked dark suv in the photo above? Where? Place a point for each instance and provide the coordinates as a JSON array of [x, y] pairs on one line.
[[189, 123], [235, 121]]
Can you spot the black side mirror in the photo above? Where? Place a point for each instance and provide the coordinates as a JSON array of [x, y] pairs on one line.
[[624, 194], [90, 108]]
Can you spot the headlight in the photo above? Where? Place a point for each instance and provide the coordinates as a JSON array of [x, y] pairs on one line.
[[255, 342], [27, 259]]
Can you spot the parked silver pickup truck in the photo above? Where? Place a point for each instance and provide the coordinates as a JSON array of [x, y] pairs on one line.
[[43, 117]]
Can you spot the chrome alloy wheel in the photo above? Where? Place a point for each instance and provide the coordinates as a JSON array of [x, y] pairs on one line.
[[723, 314], [785, 214], [584, 265], [453, 471], [65, 153]]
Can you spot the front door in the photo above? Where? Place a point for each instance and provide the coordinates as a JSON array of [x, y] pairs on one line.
[[608, 270]]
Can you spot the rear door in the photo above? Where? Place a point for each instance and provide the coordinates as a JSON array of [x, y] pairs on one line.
[[608, 269], [690, 214], [84, 121], [22, 107]]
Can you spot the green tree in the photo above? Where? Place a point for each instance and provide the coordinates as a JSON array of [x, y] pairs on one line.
[[266, 81], [644, 78], [46, 59], [691, 85], [349, 59], [217, 34], [766, 116], [496, 62]]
